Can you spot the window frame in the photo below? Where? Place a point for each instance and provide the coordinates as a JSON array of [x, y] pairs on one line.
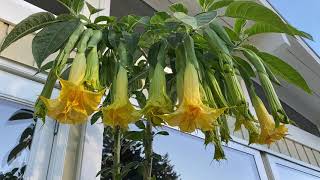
[[273, 161]]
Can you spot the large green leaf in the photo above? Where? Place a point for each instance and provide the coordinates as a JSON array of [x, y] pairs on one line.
[[27, 26], [205, 18], [74, 6], [205, 4], [285, 71], [77, 5], [259, 28], [178, 7], [189, 20], [159, 18], [51, 38], [255, 12], [220, 4], [92, 9]]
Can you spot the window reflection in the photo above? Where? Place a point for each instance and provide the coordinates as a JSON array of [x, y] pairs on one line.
[[15, 140], [192, 160], [179, 156], [286, 172]]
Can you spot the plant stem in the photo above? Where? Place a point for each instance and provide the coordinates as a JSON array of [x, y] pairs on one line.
[[148, 152], [116, 175]]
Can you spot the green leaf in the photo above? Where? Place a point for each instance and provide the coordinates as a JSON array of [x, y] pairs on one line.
[[108, 19], [271, 75], [77, 5], [51, 38], [95, 117], [67, 4], [259, 28], [141, 98], [159, 18], [255, 12], [220, 4], [246, 65], [238, 25], [134, 135], [21, 114], [285, 71], [189, 20], [178, 7], [205, 18], [140, 125], [163, 133], [233, 35], [92, 9], [205, 4], [27, 26]]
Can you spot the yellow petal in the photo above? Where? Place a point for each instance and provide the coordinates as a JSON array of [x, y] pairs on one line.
[[120, 112], [269, 133], [73, 105], [192, 114], [120, 115]]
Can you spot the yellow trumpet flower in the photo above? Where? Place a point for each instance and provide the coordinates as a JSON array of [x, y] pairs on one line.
[[269, 133], [75, 103], [158, 102], [192, 114], [120, 112]]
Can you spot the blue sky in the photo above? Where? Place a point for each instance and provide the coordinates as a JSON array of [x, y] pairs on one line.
[[304, 15]]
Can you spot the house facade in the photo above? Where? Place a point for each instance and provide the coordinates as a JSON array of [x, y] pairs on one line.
[[63, 152]]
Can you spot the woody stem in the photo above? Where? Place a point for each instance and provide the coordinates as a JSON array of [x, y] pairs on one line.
[[116, 174], [148, 152]]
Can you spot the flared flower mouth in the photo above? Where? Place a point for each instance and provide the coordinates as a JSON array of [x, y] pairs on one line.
[[74, 104], [120, 112], [192, 114], [269, 132]]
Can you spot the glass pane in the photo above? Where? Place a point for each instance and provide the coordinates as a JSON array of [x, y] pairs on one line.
[[179, 156], [286, 173], [15, 140], [191, 160]]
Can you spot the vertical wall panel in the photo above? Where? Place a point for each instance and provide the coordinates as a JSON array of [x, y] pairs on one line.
[[3, 31], [302, 153], [317, 156], [283, 147], [310, 156], [292, 149], [274, 147]]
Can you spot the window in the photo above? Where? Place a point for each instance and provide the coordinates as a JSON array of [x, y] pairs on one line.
[[16, 139], [191, 160], [284, 170], [184, 156]]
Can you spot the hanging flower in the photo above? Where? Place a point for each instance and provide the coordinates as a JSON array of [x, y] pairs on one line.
[[120, 112], [192, 114], [269, 133], [158, 102], [74, 103]]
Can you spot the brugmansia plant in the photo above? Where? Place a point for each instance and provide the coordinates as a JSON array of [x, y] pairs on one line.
[[182, 71]]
